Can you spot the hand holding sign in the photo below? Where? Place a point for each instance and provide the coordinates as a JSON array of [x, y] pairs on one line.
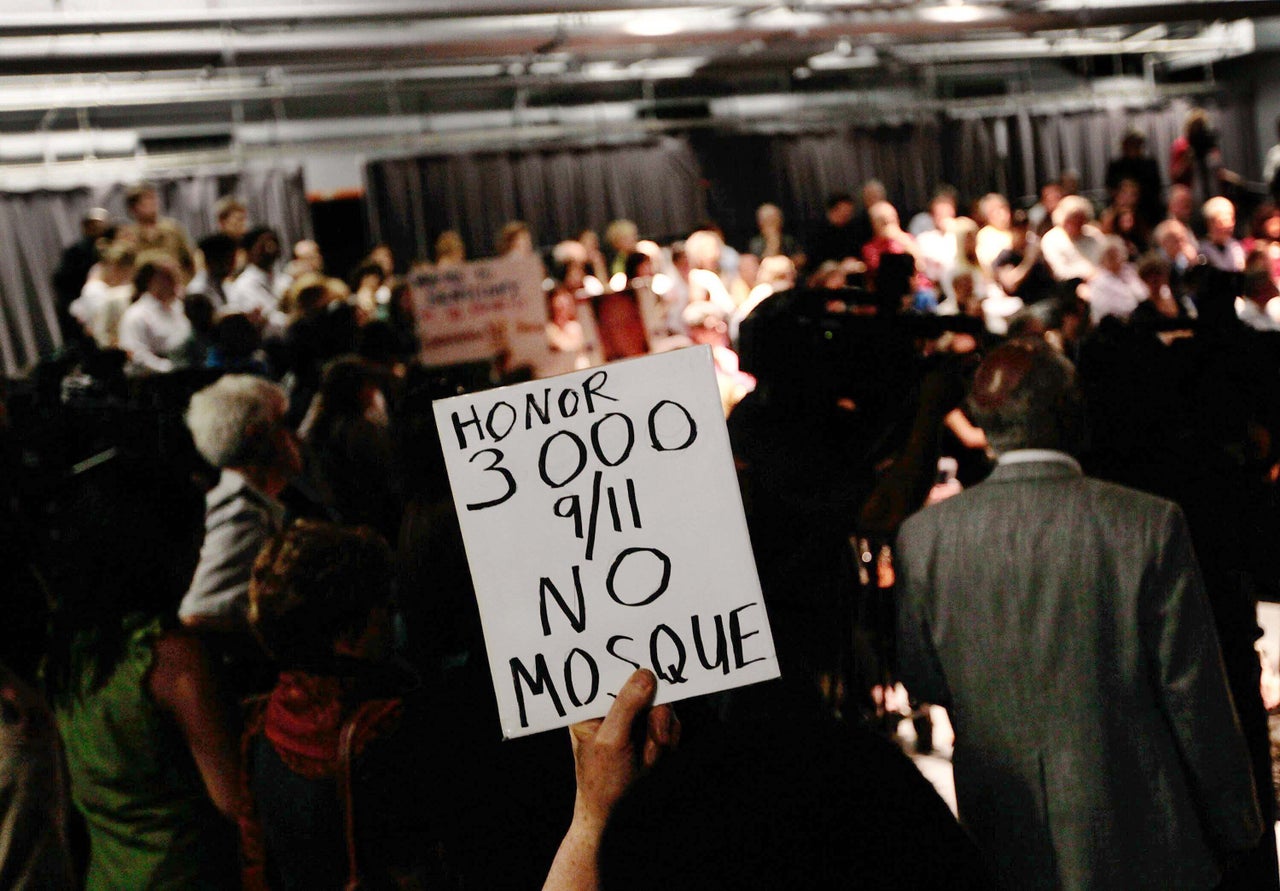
[[605, 533]]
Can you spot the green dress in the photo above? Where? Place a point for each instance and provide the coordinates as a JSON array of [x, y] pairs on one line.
[[150, 821]]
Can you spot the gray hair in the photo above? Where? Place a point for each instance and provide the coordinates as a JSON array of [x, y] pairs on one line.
[[229, 418], [1024, 396]]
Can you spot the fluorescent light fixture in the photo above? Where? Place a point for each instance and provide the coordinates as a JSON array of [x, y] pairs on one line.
[[654, 24], [957, 13]]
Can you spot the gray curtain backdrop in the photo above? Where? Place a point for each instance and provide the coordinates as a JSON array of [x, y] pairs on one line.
[[1041, 146], [36, 226], [557, 191], [809, 167], [665, 185]]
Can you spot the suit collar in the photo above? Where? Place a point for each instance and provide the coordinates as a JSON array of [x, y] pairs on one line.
[[1026, 464]]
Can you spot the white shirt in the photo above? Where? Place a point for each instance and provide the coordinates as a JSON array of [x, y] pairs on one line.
[[149, 331], [1228, 257], [252, 290], [1115, 295], [1071, 258]]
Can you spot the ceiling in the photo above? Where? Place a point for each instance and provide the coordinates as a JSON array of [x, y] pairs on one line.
[[130, 78]]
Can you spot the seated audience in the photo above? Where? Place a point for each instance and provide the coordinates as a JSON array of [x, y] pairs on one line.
[[106, 295], [1255, 305], [253, 292], [1073, 246], [155, 325], [936, 239], [771, 240], [1021, 271], [1123, 218], [1264, 238], [1162, 305], [1117, 289], [450, 249], [1219, 246], [994, 237], [219, 252], [1173, 242], [515, 239], [1040, 214]]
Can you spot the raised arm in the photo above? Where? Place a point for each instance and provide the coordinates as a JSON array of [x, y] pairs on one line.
[[607, 761]]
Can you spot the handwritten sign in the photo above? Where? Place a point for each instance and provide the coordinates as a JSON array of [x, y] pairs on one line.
[[605, 532], [478, 310]]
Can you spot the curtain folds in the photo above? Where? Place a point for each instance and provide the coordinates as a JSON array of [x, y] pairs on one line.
[[557, 191]]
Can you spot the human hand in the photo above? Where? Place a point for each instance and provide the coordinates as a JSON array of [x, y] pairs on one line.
[[610, 752]]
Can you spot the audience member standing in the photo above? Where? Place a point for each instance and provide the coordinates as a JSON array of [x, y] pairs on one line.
[[1135, 164], [148, 231], [155, 325], [1063, 623], [253, 292]]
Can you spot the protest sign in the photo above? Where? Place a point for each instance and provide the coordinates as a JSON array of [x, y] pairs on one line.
[[481, 310], [605, 532]]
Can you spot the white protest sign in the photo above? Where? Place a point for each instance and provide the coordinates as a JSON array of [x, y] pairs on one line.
[[475, 311], [604, 529]]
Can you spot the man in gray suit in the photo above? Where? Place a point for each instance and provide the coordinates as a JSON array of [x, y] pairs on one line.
[[1062, 622]]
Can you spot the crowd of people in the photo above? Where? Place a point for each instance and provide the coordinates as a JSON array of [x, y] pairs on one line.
[[247, 651]]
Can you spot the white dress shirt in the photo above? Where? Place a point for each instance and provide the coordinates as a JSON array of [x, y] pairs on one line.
[[150, 330]]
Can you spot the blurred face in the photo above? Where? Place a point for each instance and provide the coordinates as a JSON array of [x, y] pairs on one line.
[[1113, 259], [1127, 194], [164, 285], [769, 219], [1221, 225], [1271, 227], [1180, 204], [1074, 224], [235, 224], [146, 208], [307, 253], [382, 256], [943, 212], [562, 310], [1050, 195], [998, 215], [841, 214]]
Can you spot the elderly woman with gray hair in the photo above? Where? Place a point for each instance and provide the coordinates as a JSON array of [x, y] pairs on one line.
[[238, 426]]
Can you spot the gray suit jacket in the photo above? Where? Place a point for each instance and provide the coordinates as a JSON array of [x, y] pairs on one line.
[[1063, 623]]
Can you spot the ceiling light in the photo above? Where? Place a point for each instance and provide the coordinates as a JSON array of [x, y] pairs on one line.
[[957, 13], [659, 24]]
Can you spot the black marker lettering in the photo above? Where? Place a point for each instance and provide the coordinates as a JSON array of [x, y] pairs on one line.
[[657, 444], [541, 681], [531, 408], [577, 619], [568, 678], [672, 674], [626, 450], [506, 475], [459, 426], [615, 654], [546, 448], [590, 391], [662, 585], [568, 412], [488, 422], [722, 655], [737, 637]]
